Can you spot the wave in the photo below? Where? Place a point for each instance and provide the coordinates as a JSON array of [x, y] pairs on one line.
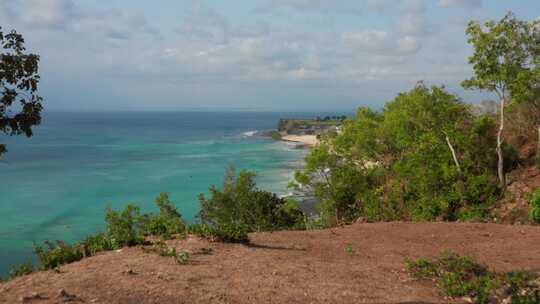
[[249, 133]]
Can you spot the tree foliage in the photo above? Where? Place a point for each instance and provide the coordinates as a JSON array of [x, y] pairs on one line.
[[241, 204], [506, 61], [425, 156], [20, 106]]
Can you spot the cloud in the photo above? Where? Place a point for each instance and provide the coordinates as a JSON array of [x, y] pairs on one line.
[[461, 3], [121, 52], [380, 43], [312, 6]]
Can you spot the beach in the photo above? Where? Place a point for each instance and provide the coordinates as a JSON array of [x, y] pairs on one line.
[[308, 140]]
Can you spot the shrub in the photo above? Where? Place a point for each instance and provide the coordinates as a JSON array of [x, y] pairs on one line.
[[535, 206], [275, 135], [461, 276], [166, 223], [161, 249], [182, 258], [240, 208], [123, 227], [223, 232], [21, 270], [98, 243], [55, 254]]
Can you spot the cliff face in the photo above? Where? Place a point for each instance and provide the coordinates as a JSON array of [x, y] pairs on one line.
[[307, 126]]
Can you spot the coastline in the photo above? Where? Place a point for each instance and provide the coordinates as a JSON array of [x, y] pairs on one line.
[[307, 140]]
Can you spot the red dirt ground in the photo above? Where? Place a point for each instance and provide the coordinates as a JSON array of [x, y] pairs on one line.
[[284, 267]]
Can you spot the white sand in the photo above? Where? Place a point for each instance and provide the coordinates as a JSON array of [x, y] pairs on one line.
[[308, 140]]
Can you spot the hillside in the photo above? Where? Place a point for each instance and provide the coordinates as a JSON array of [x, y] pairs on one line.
[[283, 267]]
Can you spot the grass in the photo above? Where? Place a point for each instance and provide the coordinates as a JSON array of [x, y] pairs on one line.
[[349, 249], [459, 276], [160, 248]]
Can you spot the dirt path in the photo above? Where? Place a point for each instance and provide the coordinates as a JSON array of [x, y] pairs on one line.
[[284, 267]]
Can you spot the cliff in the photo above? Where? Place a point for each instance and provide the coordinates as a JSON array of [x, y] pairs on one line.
[[362, 263]]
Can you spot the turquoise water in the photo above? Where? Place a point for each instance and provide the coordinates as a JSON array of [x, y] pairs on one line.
[[57, 184]]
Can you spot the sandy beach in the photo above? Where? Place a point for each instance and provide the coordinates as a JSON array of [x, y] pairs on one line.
[[308, 140]]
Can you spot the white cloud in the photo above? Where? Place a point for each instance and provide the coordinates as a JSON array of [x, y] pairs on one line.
[[408, 44], [461, 3], [211, 51], [313, 6]]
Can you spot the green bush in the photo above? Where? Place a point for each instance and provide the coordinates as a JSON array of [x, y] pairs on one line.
[[161, 249], [461, 276], [166, 223], [223, 232], [98, 243], [275, 135], [54, 254], [123, 227], [21, 270], [535, 206], [240, 207]]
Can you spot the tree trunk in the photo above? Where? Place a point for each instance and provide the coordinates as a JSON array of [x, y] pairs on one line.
[[500, 164], [453, 153]]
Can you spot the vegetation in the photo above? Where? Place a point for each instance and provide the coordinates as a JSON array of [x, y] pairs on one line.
[[535, 206], [241, 207], [424, 157], [20, 106], [21, 270], [462, 276], [161, 249], [228, 216], [166, 223], [275, 135], [505, 61], [54, 254]]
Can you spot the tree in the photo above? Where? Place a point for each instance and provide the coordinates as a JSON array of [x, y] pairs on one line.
[[241, 205], [505, 61], [20, 106]]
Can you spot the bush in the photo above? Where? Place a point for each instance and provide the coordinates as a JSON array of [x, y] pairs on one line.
[[21, 270], [535, 206], [224, 232], [240, 207], [98, 243], [123, 227], [54, 254], [161, 249], [461, 276], [275, 135], [166, 223]]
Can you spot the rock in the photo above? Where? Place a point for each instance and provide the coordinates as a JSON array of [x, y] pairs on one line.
[[66, 297], [33, 296]]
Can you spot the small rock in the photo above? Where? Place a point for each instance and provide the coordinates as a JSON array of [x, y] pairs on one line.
[[33, 296], [67, 297]]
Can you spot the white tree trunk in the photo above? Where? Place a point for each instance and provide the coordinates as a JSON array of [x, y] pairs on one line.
[[500, 164], [453, 153]]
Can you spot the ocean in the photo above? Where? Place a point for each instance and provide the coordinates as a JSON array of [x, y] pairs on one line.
[[57, 184]]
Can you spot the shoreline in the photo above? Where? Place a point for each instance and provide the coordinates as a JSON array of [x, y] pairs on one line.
[[307, 140]]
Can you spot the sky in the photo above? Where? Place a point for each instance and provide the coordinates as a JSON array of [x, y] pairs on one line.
[[255, 55]]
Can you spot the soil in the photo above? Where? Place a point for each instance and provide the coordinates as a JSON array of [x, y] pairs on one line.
[[362, 263], [514, 206]]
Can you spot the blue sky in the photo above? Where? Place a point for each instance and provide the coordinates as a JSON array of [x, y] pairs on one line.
[[247, 54]]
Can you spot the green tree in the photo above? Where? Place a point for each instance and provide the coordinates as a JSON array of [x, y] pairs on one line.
[[424, 156], [166, 223], [20, 106], [505, 61], [240, 204]]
